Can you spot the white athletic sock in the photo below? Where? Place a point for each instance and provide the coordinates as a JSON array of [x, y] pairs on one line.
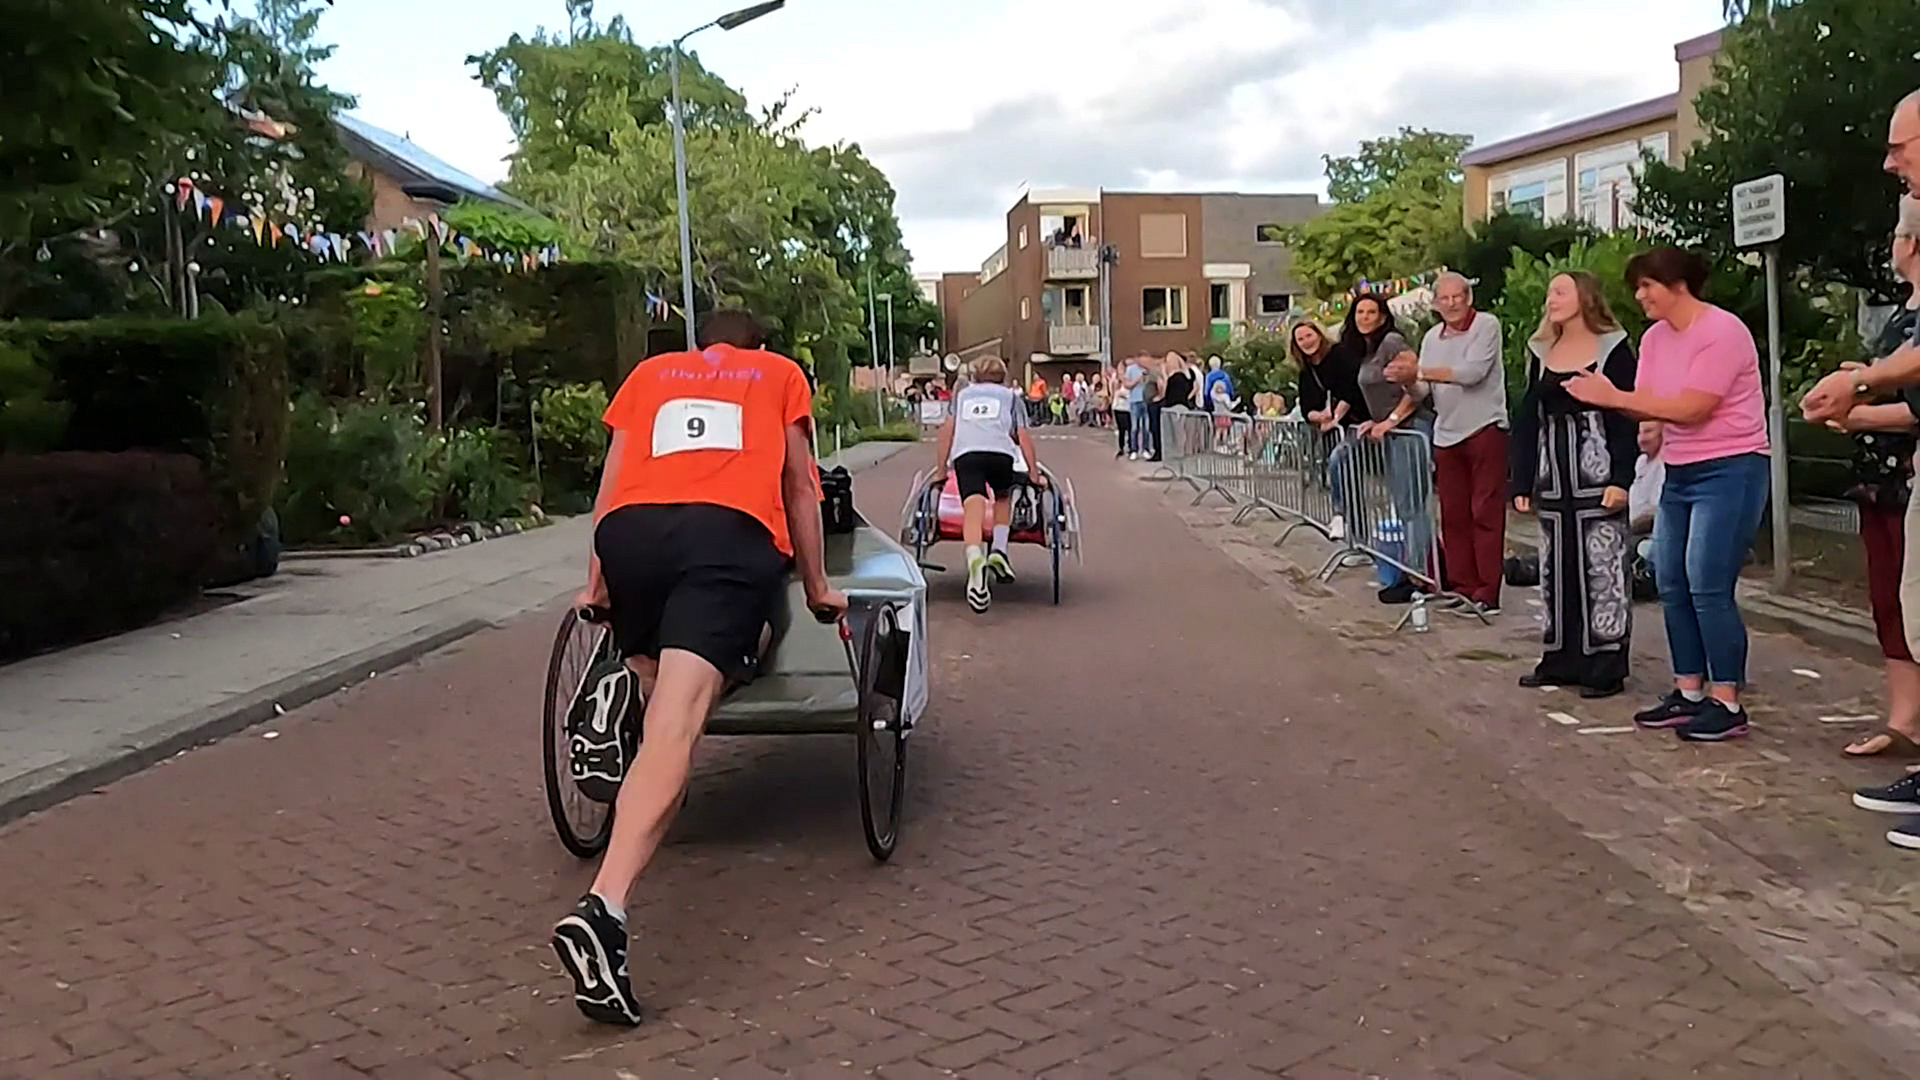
[[974, 554], [1694, 695], [615, 909], [1731, 706], [1000, 539]]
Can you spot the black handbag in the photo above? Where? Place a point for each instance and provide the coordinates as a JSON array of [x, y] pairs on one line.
[[836, 500]]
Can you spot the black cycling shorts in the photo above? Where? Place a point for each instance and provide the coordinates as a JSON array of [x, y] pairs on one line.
[[692, 576], [974, 473]]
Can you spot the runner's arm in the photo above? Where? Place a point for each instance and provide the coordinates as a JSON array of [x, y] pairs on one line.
[[803, 517], [1025, 439]]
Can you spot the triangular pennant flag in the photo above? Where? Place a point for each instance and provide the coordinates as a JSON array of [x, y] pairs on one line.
[[215, 207], [259, 223]]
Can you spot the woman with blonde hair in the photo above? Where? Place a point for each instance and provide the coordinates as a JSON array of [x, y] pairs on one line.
[[1572, 466]]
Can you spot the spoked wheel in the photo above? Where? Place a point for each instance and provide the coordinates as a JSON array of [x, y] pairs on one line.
[[881, 733], [1056, 536], [583, 825]]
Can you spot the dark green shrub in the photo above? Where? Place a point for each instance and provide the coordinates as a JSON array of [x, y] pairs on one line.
[[358, 474], [30, 422], [572, 444], [97, 544], [215, 388], [480, 476]]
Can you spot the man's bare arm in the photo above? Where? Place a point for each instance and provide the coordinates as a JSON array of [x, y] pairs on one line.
[[1896, 372], [803, 514]]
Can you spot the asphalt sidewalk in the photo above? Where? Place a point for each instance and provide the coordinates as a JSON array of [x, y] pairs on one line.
[[73, 720]]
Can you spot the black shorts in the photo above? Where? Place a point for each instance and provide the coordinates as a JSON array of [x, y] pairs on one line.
[[975, 472], [702, 578]]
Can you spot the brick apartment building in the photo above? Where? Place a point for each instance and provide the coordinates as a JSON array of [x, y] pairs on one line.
[[1185, 270]]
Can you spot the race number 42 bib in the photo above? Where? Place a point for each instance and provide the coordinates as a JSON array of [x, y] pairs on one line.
[[983, 408], [696, 424]]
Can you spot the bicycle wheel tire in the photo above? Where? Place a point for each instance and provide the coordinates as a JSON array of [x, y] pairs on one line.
[[881, 737], [584, 825], [1056, 537]]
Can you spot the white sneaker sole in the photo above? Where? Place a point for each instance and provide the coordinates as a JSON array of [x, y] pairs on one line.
[[1904, 840]]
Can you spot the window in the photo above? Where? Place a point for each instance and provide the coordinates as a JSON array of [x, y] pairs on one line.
[[1064, 305], [1026, 309], [1163, 236], [1269, 234], [1539, 191], [1607, 179], [1023, 238], [1220, 300], [1276, 303], [1163, 307], [1528, 199]]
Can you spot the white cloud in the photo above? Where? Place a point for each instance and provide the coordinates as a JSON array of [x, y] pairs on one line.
[[963, 103]]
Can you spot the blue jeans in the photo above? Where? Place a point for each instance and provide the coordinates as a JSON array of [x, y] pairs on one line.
[[1139, 438], [1709, 512]]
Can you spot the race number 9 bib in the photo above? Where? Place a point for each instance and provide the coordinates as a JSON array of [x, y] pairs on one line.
[[696, 424], [983, 408]]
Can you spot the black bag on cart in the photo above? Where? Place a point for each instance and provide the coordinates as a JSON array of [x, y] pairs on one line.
[[836, 500]]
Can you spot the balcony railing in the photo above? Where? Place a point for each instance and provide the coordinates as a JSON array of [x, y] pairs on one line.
[[1073, 340], [1071, 263]]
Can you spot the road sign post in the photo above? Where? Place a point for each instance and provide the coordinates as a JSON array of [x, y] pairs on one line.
[[1760, 220]]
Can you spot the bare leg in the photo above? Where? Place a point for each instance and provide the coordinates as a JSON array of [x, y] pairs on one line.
[[683, 694], [973, 520], [1002, 509], [1903, 709]]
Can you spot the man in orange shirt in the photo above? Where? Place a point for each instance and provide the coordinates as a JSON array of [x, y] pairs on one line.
[[709, 489]]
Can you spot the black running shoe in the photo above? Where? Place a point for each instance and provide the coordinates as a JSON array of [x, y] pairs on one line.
[[1670, 711], [1900, 797], [1715, 723], [592, 946], [603, 729]]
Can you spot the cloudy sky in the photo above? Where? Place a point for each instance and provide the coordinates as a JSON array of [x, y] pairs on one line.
[[966, 102]]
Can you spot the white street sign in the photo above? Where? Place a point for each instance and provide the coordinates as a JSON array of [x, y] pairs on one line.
[[1760, 211]]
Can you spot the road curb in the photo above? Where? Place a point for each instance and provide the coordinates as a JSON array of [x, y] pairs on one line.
[[57, 783]]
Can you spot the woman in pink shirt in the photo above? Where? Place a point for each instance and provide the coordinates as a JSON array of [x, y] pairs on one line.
[[1700, 377]]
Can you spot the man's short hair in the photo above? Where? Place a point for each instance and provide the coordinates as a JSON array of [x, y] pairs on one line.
[[1452, 276], [990, 369], [732, 326], [1909, 223], [1911, 101]]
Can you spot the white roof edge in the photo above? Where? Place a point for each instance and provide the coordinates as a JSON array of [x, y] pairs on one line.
[[1063, 196]]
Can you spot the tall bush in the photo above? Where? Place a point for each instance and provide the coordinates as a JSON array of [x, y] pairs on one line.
[[30, 420], [1259, 363], [214, 387], [357, 474], [96, 544], [572, 444]]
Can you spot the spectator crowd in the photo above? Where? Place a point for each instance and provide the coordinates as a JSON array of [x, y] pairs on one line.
[[1645, 465]]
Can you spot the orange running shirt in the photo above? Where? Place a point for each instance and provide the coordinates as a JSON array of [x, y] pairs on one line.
[[710, 427]]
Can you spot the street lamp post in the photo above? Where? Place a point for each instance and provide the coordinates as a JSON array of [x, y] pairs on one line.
[[887, 299], [732, 20]]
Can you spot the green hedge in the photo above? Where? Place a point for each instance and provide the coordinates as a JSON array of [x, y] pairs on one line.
[[98, 544], [215, 388]]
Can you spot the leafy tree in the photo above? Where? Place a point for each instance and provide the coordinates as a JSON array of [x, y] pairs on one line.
[[1397, 203], [1804, 92], [1416, 158], [1484, 253], [101, 96], [791, 231]]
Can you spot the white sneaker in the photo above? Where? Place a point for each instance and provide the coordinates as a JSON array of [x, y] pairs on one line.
[[1133, 457], [978, 595], [1337, 528]]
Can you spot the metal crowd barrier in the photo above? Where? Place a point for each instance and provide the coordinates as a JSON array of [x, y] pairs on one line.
[[1374, 498]]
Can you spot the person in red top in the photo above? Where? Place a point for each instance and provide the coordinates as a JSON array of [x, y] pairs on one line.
[[710, 488]]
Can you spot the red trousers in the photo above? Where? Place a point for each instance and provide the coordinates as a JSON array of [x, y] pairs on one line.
[[1883, 533], [1472, 478]]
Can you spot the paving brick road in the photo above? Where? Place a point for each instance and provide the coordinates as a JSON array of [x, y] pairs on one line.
[[1165, 830]]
